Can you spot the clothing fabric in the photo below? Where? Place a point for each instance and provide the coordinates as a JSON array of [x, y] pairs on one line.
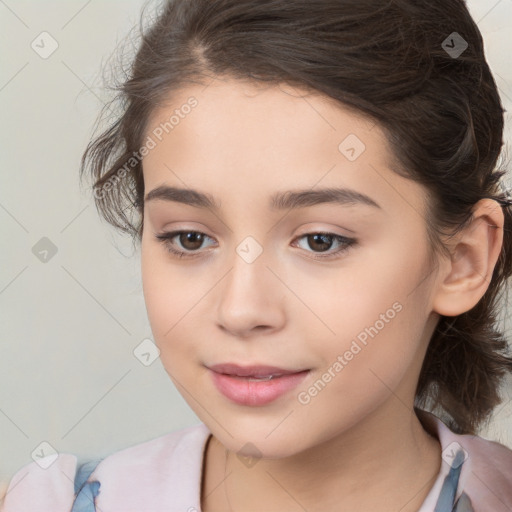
[[85, 491], [164, 475]]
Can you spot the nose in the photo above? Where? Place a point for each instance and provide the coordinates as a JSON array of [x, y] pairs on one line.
[[252, 299]]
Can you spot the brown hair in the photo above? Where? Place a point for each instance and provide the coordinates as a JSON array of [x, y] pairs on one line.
[[392, 62]]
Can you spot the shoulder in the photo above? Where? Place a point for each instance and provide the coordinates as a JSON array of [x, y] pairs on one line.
[[160, 474], [486, 472], [174, 445], [47, 484], [128, 478], [488, 476]]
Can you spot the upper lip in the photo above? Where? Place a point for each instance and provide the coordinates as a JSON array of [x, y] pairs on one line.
[[251, 371]]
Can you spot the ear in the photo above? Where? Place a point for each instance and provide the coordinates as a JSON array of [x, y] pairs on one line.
[[465, 276]]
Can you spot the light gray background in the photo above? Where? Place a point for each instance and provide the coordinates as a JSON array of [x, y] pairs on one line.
[[68, 375]]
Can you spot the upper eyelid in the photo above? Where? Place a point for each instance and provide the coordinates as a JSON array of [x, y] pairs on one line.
[[171, 234], [175, 232]]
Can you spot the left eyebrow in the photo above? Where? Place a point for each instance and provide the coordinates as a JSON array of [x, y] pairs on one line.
[[289, 200]]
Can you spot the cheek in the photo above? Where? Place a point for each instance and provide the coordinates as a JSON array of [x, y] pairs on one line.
[[372, 320], [172, 296], [353, 300], [371, 358], [165, 295]]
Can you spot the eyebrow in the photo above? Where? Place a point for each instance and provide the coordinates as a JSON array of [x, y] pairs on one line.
[[289, 200]]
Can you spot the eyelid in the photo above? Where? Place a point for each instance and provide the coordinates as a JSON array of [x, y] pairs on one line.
[[333, 230], [307, 230], [346, 244]]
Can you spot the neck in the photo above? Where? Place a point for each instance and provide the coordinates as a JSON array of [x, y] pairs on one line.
[[388, 462]]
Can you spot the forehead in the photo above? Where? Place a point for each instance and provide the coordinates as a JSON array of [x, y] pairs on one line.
[[255, 138], [256, 112], [249, 124]]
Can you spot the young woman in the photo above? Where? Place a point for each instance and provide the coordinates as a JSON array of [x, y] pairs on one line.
[[324, 240]]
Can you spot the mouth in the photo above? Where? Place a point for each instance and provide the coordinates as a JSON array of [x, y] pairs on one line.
[[256, 372], [255, 385]]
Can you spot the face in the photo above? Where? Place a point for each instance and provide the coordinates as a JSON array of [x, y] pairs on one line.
[[336, 288]]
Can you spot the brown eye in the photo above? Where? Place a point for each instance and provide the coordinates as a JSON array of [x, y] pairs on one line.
[[319, 241], [322, 242], [189, 241]]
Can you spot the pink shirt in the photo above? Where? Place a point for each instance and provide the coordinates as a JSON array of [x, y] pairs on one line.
[[164, 475]]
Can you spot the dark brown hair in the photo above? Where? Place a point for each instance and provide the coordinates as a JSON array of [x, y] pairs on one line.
[[392, 61]]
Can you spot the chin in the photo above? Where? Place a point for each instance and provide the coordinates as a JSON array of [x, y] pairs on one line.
[[258, 445]]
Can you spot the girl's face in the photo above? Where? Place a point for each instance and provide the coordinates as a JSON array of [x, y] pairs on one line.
[[260, 285]]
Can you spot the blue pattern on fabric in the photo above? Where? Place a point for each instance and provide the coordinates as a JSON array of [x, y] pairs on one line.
[[85, 492], [446, 501]]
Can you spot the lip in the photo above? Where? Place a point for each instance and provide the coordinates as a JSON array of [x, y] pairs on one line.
[[251, 371], [243, 391]]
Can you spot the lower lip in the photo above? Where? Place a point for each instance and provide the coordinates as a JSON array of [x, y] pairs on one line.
[[243, 391]]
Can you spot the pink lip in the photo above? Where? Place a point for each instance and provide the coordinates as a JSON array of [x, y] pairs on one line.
[[233, 382], [250, 371]]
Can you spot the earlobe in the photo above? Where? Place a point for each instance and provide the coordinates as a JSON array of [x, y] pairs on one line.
[[467, 275]]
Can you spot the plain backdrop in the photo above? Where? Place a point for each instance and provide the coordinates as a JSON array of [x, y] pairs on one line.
[[71, 305]]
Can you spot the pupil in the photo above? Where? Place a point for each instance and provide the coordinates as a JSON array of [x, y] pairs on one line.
[[322, 238], [189, 237]]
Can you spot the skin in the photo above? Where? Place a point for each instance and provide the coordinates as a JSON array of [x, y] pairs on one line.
[[357, 445]]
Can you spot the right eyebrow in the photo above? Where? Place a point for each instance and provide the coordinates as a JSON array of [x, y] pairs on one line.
[[183, 195], [291, 199]]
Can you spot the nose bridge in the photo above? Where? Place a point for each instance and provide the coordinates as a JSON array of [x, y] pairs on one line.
[[250, 294], [255, 240], [249, 269]]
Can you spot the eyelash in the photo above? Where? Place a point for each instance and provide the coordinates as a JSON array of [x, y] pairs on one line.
[[166, 239]]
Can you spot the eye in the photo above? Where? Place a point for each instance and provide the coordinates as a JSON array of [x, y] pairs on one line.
[[191, 241], [322, 240]]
